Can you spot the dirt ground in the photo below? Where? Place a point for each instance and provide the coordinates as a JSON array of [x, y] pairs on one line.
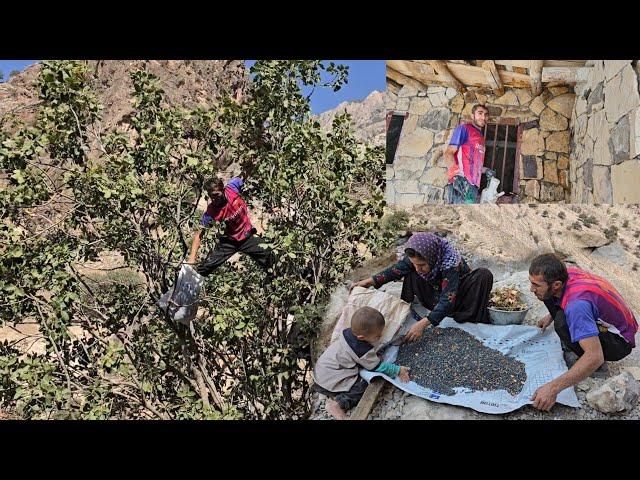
[[603, 239]]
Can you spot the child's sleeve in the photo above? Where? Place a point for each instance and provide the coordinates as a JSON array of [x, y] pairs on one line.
[[369, 361], [390, 369]]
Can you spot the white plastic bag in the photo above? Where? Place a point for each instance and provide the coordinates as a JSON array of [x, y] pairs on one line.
[[490, 193], [181, 302]]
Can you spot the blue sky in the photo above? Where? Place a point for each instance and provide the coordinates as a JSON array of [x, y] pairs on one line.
[[364, 77], [6, 66]]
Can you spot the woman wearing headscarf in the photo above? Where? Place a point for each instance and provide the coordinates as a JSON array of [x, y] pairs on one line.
[[435, 272]]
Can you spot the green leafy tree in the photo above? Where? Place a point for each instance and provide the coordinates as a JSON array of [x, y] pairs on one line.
[[72, 192]]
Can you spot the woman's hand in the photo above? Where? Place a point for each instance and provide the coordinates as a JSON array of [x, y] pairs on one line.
[[415, 332], [366, 283]]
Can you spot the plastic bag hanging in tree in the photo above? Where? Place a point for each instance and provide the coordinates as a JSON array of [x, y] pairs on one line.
[[181, 302]]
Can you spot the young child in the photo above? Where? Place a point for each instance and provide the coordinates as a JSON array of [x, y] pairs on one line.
[[336, 371]]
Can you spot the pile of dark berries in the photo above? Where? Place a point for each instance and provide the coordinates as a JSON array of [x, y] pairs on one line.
[[445, 358]]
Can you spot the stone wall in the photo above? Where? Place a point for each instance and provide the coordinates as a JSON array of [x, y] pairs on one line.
[[418, 174], [605, 151]]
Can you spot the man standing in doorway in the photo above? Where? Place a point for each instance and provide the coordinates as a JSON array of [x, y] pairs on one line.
[[465, 158]]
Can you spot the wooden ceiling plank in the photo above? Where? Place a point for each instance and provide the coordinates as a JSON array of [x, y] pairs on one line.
[[402, 79], [443, 71], [565, 74], [493, 77], [468, 74], [415, 70], [513, 63], [399, 66], [564, 63]]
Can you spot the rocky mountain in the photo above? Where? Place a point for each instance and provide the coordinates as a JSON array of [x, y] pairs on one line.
[[368, 116], [186, 83]]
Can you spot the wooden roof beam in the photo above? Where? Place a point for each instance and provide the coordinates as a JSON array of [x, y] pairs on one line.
[[402, 79], [565, 74], [564, 63], [535, 71], [493, 77], [392, 86], [476, 76], [443, 71], [415, 69], [513, 63]]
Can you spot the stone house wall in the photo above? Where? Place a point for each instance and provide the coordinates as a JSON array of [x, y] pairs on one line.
[[605, 151], [418, 174]]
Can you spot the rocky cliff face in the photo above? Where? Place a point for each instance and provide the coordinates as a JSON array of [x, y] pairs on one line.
[[187, 83], [368, 117]]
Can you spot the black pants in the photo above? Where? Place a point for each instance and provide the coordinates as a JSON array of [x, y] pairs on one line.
[[346, 400], [472, 297], [227, 247], [614, 346]]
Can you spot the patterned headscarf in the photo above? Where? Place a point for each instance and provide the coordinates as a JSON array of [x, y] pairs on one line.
[[440, 254]]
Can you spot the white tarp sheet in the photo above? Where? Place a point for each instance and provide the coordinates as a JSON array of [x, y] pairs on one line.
[[540, 352]]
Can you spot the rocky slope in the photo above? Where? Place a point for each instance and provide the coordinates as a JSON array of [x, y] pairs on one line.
[[368, 116], [186, 83]]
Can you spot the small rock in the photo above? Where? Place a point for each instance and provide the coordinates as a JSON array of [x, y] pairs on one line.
[[389, 414], [614, 253], [635, 371], [584, 386], [617, 394]]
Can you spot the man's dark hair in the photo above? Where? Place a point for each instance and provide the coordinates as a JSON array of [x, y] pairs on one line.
[[550, 267], [477, 106], [213, 184]]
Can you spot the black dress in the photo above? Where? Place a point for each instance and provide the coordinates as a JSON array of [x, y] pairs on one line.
[[458, 292]]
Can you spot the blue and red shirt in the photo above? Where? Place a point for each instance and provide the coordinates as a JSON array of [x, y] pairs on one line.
[[234, 212], [590, 301], [470, 155]]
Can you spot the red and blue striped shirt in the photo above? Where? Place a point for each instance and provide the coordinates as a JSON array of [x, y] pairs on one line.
[[470, 155], [234, 212]]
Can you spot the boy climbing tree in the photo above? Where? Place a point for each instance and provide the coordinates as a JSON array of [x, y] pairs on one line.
[[228, 206], [239, 235]]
